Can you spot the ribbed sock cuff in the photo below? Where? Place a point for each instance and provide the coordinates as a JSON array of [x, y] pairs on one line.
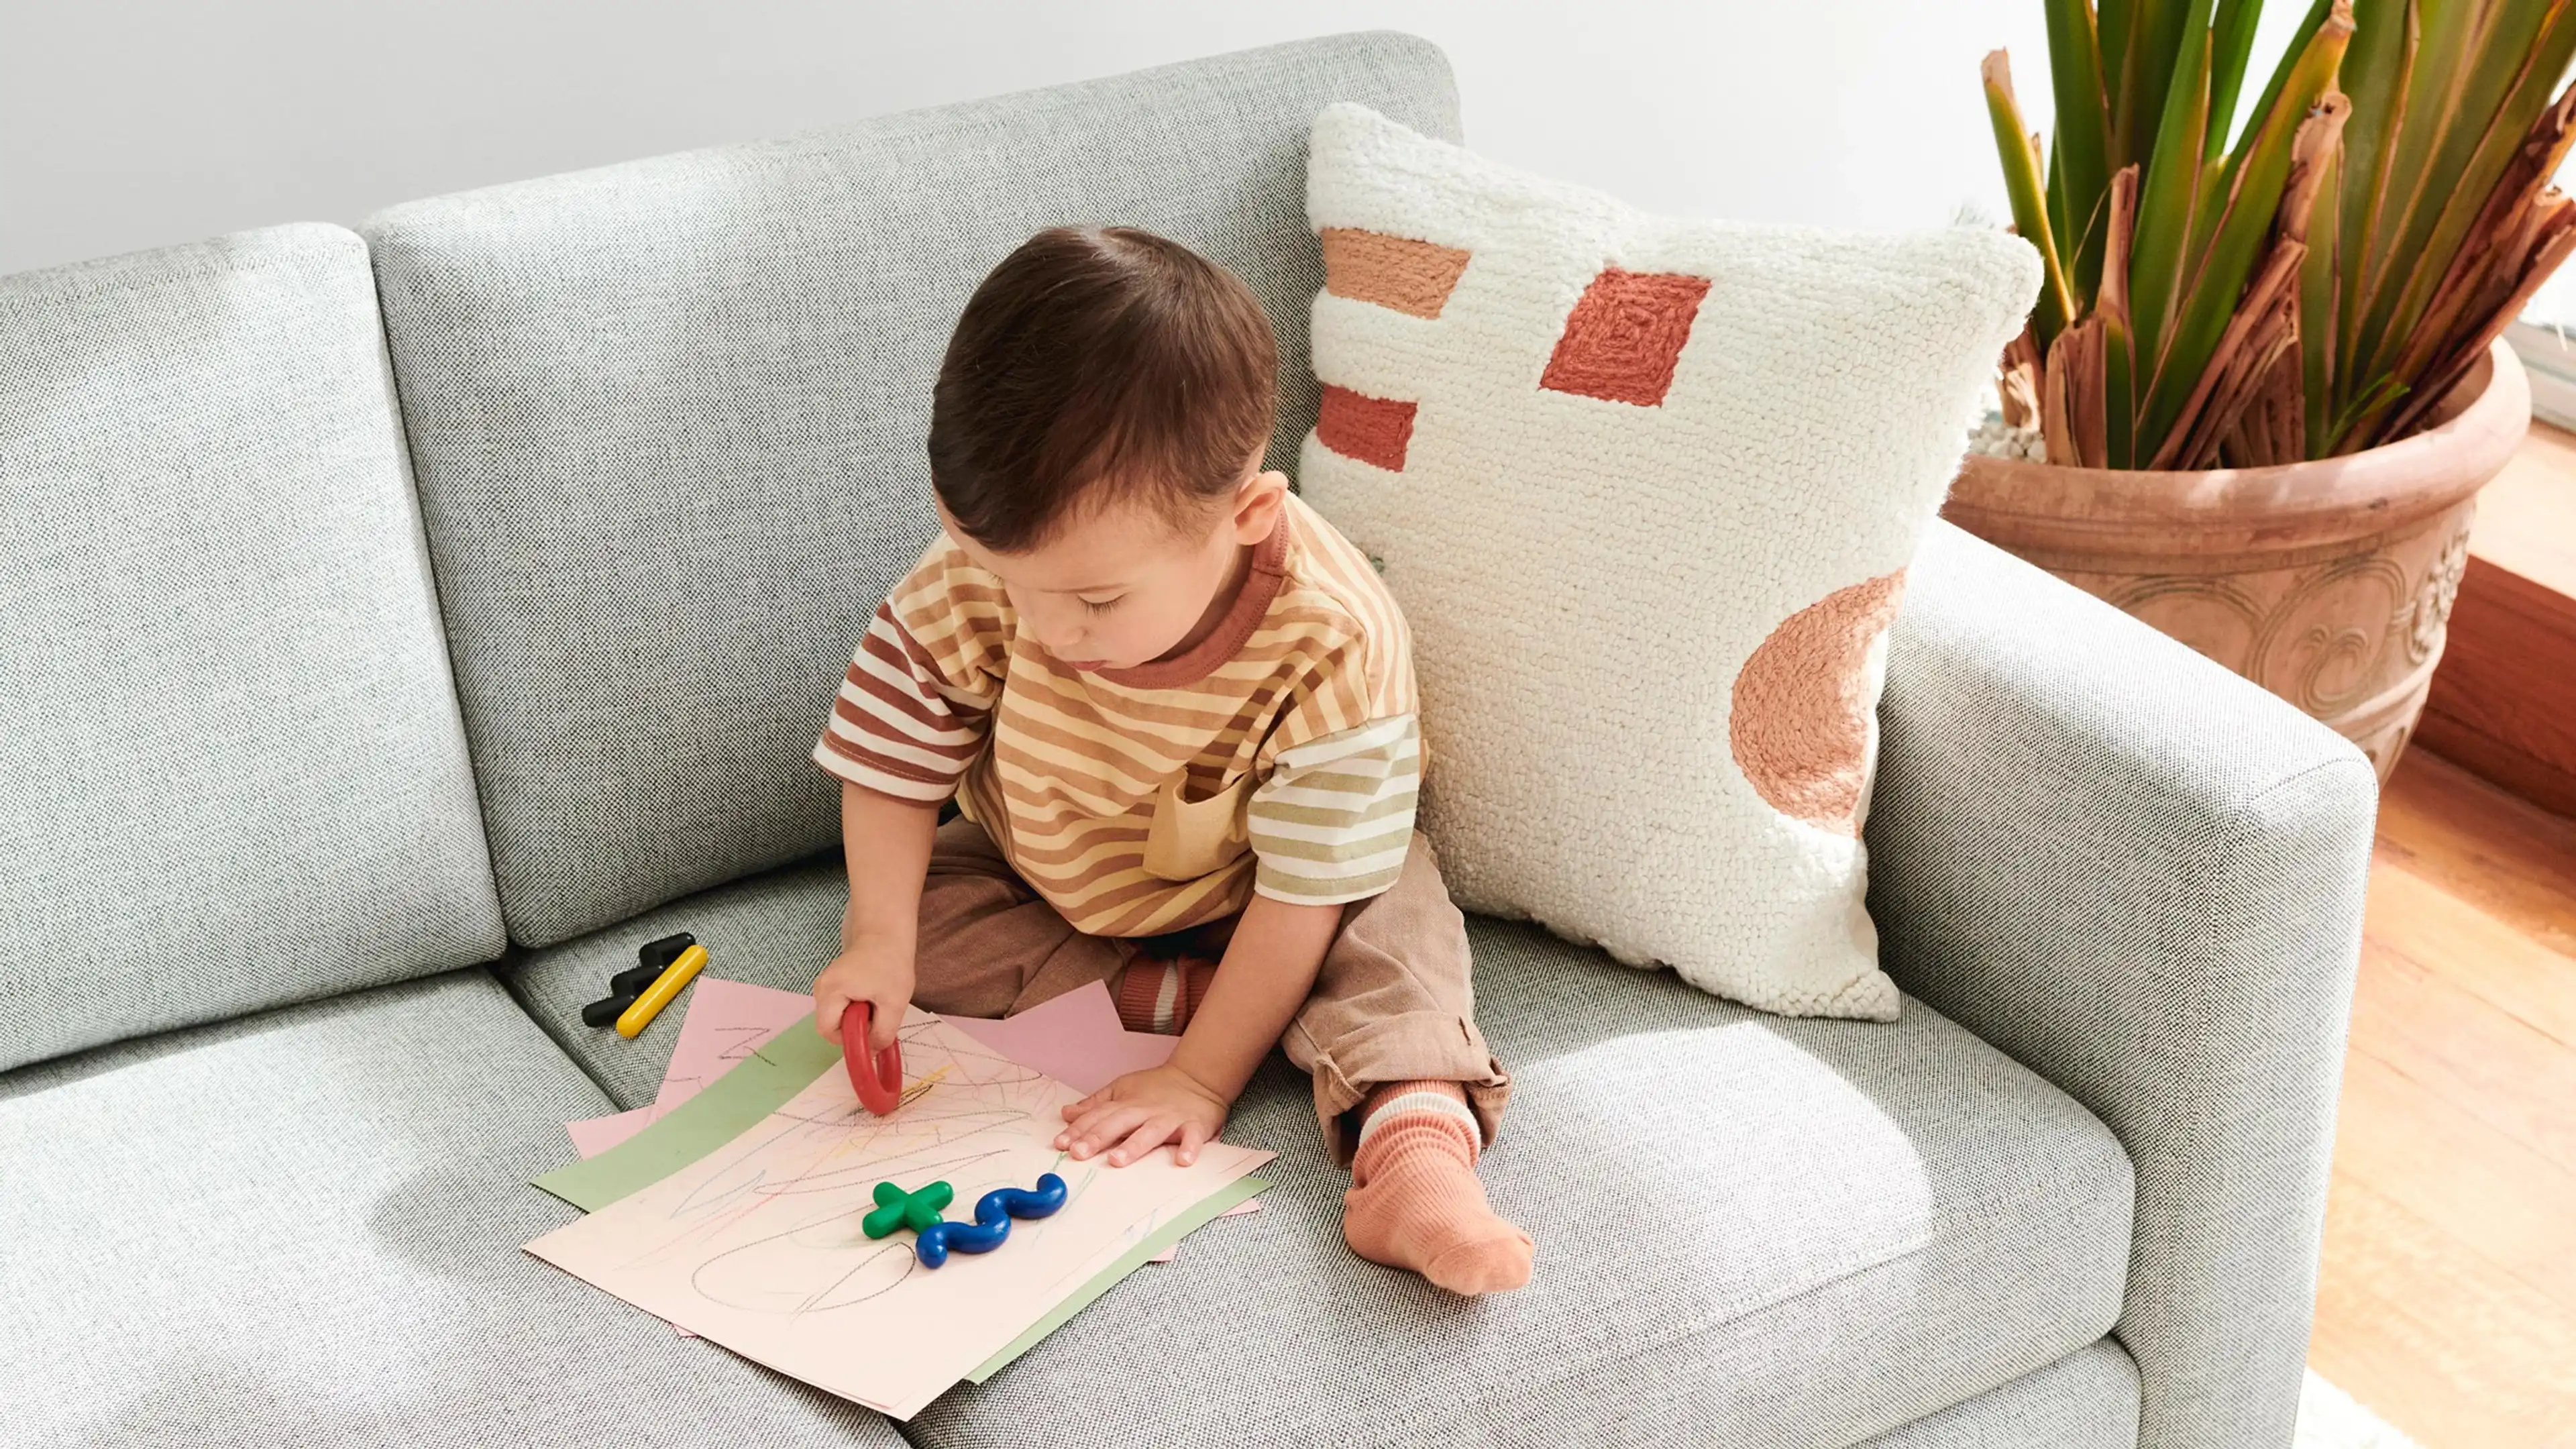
[[1423, 1099], [1162, 996]]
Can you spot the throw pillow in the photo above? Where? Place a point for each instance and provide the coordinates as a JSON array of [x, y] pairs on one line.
[[1647, 490]]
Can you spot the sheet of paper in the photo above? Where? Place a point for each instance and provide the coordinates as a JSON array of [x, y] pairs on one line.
[[737, 1101], [1079, 1029], [1248, 1205], [594, 1135], [757, 1246], [1227, 1201], [1075, 1039], [727, 1020]]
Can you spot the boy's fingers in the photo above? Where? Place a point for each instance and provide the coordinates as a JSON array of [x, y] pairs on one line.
[[885, 1019], [1154, 1133], [1193, 1137], [1075, 1116], [828, 1006], [1106, 1127]]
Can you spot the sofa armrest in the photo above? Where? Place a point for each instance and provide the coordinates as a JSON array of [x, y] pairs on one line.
[[2140, 876]]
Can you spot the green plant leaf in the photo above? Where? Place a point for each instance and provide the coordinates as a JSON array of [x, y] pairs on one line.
[[2165, 200], [2112, 19], [2119, 402], [2157, 29], [2374, 75], [2080, 169], [2438, 89], [2216, 280], [2023, 188], [2496, 104], [2057, 226], [2290, 54], [2231, 45], [2118, 366]]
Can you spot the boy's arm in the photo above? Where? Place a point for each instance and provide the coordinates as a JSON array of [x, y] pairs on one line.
[[1267, 972], [908, 720], [886, 843]]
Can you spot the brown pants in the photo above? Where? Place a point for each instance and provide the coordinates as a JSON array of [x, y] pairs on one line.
[[1392, 1003]]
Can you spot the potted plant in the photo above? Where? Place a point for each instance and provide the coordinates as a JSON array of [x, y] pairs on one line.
[[2262, 384]]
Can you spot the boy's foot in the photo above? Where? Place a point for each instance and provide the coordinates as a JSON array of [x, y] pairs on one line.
[[1415, 1201]]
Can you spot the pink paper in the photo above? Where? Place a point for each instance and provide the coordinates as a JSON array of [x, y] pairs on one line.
[[1075, 1039], [598, 1134], [727, 1021]]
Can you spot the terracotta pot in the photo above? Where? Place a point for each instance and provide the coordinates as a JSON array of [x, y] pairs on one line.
[[2328, 583]]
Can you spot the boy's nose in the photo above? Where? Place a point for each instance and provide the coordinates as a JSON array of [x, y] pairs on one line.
[[1058, 636], [1056, 630]]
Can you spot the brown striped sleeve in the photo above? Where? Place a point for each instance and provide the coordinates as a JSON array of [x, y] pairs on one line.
[[916, 703]]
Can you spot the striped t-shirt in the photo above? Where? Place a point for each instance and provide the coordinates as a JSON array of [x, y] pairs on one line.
[[1277, 755]]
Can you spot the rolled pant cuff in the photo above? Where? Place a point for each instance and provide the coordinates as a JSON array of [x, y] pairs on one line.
[[1418, 1046]]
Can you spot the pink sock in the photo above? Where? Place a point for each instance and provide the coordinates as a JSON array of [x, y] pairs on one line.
[[1415, 1201]]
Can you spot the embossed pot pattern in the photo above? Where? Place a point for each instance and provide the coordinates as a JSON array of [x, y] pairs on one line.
[[2329, 583]]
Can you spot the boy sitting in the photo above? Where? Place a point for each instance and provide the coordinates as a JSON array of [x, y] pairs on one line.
[[1176, 710]]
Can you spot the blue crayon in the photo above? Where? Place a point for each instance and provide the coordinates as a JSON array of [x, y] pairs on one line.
[[992, 1225]]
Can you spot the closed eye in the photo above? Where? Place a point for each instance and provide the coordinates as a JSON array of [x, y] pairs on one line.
[[1102, 606]]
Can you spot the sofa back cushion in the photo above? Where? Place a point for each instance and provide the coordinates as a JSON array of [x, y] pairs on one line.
[[229, 749], [667, 419]]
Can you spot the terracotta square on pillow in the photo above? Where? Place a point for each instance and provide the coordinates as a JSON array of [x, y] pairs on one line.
[[1647, 490]]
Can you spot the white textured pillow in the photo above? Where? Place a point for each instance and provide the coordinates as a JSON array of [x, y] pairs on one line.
[[1647, 490]]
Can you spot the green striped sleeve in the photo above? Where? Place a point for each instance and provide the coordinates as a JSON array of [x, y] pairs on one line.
[[1335, 818]]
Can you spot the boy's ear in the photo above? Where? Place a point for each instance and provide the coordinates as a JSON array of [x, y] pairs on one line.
[[1258, 504]]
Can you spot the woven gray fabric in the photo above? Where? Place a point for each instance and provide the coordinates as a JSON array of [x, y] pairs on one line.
[[1751, 1230], [668, 422], [2086, 1400], [228, 745], [778, 929], [2142, 877], [303, 1228]]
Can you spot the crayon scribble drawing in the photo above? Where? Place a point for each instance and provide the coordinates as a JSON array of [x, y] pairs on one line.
[[758, 1247], [727, 1021]]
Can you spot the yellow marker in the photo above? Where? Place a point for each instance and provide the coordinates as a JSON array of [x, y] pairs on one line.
[[683, 969]]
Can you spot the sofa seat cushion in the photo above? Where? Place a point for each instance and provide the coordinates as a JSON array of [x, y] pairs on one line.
[[304, 1228], [2086, 1400], [1744, 1224]]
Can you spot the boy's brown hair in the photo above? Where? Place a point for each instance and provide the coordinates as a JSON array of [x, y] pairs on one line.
[[1093, 359]]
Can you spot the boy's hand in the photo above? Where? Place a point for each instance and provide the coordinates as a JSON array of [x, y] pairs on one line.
[[1148, 1108], [877, 972]]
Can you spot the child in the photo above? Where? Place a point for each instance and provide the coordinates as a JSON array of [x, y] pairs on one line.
[[1176, 711]]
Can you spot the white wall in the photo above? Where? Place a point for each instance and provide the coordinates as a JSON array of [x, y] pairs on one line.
[[128, 123]]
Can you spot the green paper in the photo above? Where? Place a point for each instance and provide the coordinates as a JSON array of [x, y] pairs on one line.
[[725, 1109], [1169, 1233]]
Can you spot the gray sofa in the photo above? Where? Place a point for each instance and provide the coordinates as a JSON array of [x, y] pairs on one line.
[[397, 628]]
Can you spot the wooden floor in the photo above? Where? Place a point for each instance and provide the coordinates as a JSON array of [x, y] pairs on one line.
[[2527, 516], [2447, 1296]]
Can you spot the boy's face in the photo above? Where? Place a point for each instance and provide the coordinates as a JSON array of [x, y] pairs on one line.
[[1120, 586]]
